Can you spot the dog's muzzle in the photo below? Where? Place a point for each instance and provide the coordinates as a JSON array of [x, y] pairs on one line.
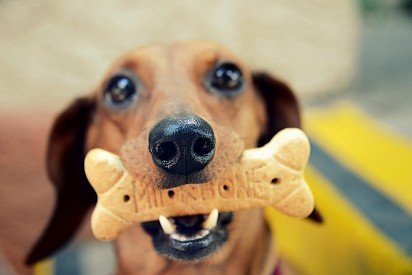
[[182, 145]]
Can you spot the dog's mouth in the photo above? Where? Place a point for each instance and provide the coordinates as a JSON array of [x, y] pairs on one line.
[[189, 238]]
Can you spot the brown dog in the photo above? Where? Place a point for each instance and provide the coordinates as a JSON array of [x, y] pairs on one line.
[[176, 114]]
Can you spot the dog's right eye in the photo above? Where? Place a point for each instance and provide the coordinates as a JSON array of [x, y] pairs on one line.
[[120, 91], [225, 78]]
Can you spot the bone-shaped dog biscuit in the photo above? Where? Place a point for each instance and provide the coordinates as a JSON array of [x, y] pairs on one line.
[[270, 175]]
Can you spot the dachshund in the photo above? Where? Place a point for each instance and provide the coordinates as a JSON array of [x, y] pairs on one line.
[[180, 113]]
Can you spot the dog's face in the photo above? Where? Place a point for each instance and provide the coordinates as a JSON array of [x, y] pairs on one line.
[[176, 114]]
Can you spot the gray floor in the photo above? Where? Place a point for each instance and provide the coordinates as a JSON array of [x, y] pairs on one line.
[[384, 82]]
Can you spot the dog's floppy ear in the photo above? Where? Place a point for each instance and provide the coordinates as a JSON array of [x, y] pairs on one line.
[[74, 195], [282, 110], [281, 105]]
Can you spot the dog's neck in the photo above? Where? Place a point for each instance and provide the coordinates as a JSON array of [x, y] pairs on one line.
[[251, 253]]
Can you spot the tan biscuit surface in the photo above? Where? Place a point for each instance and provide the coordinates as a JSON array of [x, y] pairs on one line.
[[268, 176]]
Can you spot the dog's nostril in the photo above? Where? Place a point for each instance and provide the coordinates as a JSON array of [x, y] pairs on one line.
[[165, 151], [203, 146]]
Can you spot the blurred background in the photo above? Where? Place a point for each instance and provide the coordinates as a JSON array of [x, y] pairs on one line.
[[350, 62]]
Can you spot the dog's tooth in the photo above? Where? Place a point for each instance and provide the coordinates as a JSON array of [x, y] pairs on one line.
[[204, 233], [211, 221], [176, 236], [167, 226], [183, 238]]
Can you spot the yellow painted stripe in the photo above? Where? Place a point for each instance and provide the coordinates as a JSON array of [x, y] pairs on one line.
[[345, 244], [380, 156], [45, 267]]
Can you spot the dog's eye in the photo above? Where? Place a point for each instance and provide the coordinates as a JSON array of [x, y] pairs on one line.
[[226, 78], [120, 91]]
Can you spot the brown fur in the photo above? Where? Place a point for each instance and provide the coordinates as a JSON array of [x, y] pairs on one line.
[[172, 83]]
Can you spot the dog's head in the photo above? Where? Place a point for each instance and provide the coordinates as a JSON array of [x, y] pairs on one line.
[[176, 114]]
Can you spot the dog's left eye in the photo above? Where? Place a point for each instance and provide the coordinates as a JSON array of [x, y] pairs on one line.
[[120, 91], [226, 78]]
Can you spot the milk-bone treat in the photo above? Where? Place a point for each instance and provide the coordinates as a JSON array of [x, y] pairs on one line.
[[271, 175]]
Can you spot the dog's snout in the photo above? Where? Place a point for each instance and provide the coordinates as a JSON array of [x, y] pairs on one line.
[[182, 145]]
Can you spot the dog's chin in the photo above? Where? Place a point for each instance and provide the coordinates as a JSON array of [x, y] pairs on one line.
[[190, 242]]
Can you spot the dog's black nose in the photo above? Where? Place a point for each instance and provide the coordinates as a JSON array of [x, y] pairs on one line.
[[182, 145]]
